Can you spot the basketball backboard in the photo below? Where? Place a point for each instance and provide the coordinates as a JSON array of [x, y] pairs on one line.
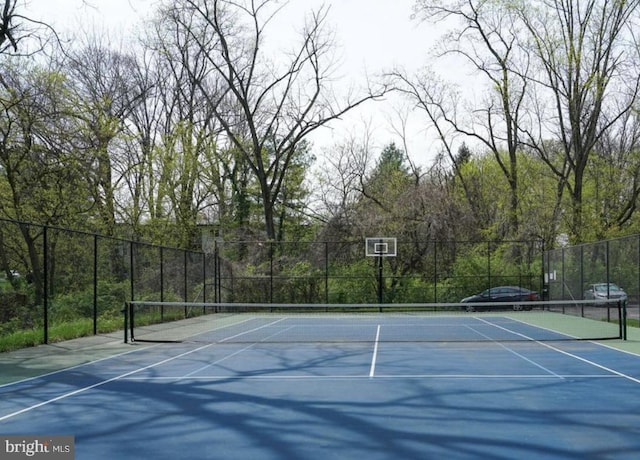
[[381, 247]]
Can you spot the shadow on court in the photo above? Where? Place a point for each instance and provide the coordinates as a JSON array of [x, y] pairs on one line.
[[279, 404]]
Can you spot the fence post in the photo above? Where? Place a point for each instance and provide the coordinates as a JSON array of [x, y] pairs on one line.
[[582, 271], [204, 277], [95, 284], [45, 282], [562, 293], [216, 273], [546, 268], [607, 267], [186, 282], [271, 243], [185, 277], [326, 272], [489, 263], [131, 274], [435, 271], [161, 274]]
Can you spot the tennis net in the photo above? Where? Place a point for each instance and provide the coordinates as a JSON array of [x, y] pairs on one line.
[[427, 322]]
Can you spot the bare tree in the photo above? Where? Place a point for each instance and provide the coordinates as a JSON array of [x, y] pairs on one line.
[[439, 101], [615, 174], [562, 74], [488, 39], [16, 28], [584, 56], [142, 140], [182, 173], [101, 81], [340, 181], [7, 28], [266, 108]]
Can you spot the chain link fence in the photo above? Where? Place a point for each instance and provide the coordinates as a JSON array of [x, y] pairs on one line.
[[58, 283], [340, 272], [569, 272]]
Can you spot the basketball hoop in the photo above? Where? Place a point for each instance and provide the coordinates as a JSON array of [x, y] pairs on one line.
[[381, 247]]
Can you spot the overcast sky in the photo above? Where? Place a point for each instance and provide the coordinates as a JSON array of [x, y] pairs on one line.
[[373, 35]]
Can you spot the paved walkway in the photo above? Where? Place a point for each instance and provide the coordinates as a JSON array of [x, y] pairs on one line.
[[43, 359]]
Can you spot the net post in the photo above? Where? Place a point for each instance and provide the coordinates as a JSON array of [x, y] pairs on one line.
[[131, 321], [623, 322], [126, 322]]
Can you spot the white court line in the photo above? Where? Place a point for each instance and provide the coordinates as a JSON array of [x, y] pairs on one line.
[[254, 329], [128, 375], [146, 346], [538, 365], [378, 376], [104, 382], [76, 366], [566, 353], [190, 374], [372, 370], [95, 385]]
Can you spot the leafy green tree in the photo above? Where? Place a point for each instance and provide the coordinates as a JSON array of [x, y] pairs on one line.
[[588, 77], [487, 187], [292, 220], [383, 194], [540, 211], [611, 192], [42, 174], [486, 36]]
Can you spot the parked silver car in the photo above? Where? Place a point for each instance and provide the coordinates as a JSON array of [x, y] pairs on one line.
[[605, 291]]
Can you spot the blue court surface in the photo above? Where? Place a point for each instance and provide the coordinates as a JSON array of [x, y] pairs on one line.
[[361, 399]]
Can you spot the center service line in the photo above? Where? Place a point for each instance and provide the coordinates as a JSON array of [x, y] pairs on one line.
[[372, 371]]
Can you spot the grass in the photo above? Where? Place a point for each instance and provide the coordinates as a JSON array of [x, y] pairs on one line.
[[57, 333], [20, 339]]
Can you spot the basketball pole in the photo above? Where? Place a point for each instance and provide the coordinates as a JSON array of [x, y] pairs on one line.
[[380, 247], [380, 281]]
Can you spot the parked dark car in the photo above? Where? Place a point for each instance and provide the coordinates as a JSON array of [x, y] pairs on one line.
[[501, 295], [605, 291]]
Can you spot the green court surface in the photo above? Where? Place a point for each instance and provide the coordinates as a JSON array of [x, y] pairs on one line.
[[30, 362]]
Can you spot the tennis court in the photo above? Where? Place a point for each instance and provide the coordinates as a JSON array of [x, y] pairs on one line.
[[285, 384]]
